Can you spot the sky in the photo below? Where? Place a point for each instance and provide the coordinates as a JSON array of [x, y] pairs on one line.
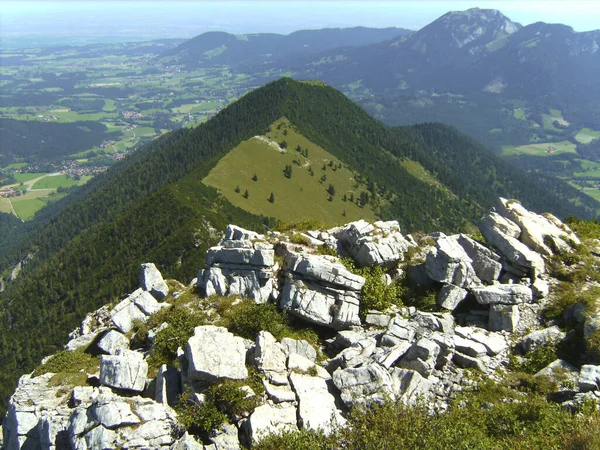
[[143, 19]]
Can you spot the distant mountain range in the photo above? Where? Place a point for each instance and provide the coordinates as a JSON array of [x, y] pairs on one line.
[[470, 69], [256, 50]]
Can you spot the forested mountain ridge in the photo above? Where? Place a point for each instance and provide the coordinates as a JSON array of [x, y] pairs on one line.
[[218, 48], [154, 207]]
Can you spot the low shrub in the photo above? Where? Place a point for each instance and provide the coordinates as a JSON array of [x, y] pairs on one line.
[[298, 239]]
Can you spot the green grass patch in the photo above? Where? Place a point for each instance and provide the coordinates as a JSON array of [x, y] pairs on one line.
[[541, 149], [519, 114], [298, 196], [56, 181], [24, 177], [587, 135], [5, 206], [26, 209]]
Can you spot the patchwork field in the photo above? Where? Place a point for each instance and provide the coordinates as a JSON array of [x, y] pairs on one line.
[[297, 197]]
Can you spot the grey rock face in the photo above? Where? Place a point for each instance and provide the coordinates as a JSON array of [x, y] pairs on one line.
[[551, 335], [449, 263], [364, 385], [226, 438], [152, 281], [333, 308], [316, 404], [239, 267], [325, 270], [589, 378], [168, 385], [213, 353], [125, 370], [377, 244], [469, 347], [126, 313], [377, 319], [235, 233], [543, 234], [485, 262], [494, 229], [410, 386], [113, 341], [398, 330], [270, 419], [503, 318], [505, 294], [450, 296], [269, 356], [300, 347], [421, 357]]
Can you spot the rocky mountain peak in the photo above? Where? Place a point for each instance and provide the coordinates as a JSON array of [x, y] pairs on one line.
[[110, 388]]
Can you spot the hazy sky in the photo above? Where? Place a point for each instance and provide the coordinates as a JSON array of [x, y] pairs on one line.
[[189, 18]]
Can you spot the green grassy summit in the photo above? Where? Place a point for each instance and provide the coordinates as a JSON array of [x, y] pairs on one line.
[[258, 166]]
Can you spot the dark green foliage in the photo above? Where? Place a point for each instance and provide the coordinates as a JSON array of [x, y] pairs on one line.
[[254, 178], [299, 239], [287, 171], [492, 417], [331, 189], [198, 418], [245, 194], [272, 198], [69, 362]]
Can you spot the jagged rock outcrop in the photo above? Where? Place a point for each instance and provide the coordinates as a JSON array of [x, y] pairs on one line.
[[321, 290], [242, 264], [401, 354], [380, 243]]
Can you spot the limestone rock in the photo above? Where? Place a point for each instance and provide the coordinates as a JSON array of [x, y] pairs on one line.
[[323, 269], [113, 341], [125, 370], [505, 294], [269, 357], [168, 385], [333, 308], [561, 371], [316, 404], [377, 319], [186, 442], [271, 419], [485, 262], [545, 235], [504, 318], [421, 357], [235, 233], [410, 386], [301, 347], [213, 353], [279, 394], [398, 330], [469, 347], [589, 378], [152, 281], [547, 336], [364, 385], [125, 314], [500, 233], [226, 438], [449, 263], [450, 296], [240, 256]]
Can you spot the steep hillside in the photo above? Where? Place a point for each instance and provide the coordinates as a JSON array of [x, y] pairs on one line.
[[155, 207], [219, 48]]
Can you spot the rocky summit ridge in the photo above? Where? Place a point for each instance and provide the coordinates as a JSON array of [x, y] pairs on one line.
[[488, 296]]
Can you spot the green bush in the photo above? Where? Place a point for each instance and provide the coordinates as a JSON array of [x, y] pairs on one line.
[[300, 240], [198, 418], [535, 360], [67, 361], [376, 294]]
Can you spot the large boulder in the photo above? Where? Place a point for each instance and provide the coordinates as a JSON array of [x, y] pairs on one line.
[[449, 263], [268, 355], [450, 296], [333, 308], [589, 378], [504, 294], [377, 244], [369, 384], [544, 234], [316, 404], [502, 234], [547, 336], [152, 281], [213, 353], [484, 261], [125, 370], [326, 270], [503, 318], [271, 419], [113, 341]]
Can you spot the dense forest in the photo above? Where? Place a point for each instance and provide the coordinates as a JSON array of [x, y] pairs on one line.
[[34, 141], [154, 207]]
